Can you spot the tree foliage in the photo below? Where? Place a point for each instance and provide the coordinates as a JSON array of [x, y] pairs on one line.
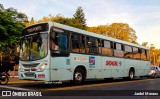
[[11, 26], [78, 20], [58, 18], [145, 44], [154, 55], [120, 31], [101, 29], [80, 16]]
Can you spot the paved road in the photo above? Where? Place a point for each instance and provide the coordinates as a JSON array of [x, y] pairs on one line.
[[117, 87]]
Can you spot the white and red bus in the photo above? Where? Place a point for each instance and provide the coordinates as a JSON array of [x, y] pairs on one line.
[[55, 52]]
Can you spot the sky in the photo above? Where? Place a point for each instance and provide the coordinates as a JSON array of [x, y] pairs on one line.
[[142, 15]]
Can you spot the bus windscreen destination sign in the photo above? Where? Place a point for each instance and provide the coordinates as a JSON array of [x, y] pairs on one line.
[[36, 28]]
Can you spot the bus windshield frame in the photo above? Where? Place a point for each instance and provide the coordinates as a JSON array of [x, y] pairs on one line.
[[34, 47]]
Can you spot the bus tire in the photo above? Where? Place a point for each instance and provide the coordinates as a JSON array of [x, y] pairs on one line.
[[108, 79], [131, 74], [155, 75], [78, 77], [4, 79]]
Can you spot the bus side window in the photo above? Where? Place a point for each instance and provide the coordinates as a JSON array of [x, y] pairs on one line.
[[143, 54], [59, 43], [136, 53], [75, 42], [99, 46], [147, 53], [107, 48], [118, 50], [82, 44], [54, 42], [63, 43], [127, 51], [91, 45]]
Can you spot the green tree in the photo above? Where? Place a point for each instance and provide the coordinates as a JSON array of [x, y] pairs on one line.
[[78, 20], [69, 21], [61, 19], [11, 26], [32, 21], [1, 7], [26, 22], [80, 16]]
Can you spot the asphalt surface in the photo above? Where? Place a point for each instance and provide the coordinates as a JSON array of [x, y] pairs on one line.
[[117, 88]]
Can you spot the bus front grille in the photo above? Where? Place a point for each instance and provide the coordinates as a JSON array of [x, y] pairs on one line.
[[29, 74], [30, 65]]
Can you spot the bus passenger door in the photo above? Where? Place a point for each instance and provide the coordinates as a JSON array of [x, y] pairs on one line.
[[95, 64], [60, 61]]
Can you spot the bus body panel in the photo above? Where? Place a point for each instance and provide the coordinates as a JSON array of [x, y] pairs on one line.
[[94, 67], [114, 65], [90, 62], [145, 68], [61, 74], [129, 63]]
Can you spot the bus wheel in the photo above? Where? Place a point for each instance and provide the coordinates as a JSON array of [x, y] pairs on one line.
[[108, 79], [78, 77], [155, 75], [131, 75]]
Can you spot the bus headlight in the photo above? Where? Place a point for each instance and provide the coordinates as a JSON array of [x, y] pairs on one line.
[[41, 68], [152, 71], [21, 68]]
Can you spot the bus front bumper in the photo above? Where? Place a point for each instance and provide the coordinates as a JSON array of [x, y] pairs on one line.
[[32, 75]]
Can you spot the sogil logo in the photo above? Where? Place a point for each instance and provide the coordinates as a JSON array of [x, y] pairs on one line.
[[113, 63]]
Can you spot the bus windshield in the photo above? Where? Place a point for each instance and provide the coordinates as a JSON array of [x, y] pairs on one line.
[[34, 47]]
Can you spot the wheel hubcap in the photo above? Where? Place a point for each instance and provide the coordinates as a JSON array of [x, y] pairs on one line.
[[155, 76], [78, 76], [3, 79], [131, 75]]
